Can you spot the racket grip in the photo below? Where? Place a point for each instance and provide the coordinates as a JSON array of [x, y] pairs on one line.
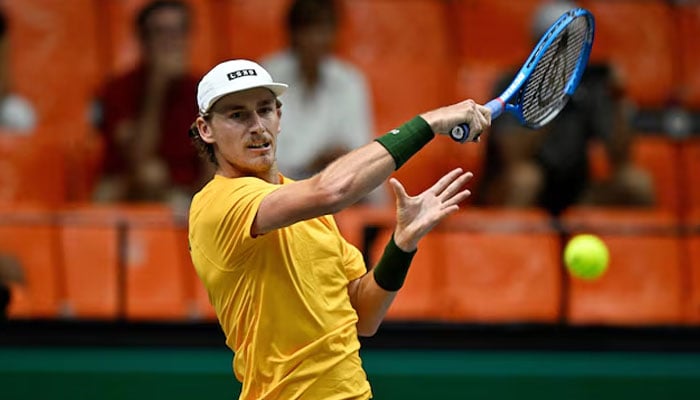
[[460, 133]]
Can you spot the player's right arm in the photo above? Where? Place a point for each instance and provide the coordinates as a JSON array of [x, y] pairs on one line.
[[354, 175]]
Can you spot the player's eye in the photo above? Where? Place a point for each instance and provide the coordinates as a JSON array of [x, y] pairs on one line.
[[239, 115]]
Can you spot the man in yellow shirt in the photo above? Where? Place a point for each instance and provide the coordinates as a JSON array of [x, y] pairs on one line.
[[290, 293]]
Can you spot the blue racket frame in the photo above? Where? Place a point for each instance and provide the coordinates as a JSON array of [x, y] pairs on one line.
[[503, 102]]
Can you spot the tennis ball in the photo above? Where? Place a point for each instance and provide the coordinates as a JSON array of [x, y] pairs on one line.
[[586, 257]]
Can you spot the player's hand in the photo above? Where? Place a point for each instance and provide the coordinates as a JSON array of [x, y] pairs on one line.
[[443, 119], [417, 215]]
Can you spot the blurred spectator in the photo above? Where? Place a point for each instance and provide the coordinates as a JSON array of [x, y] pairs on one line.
[[549, 167], [326, 110], [16, 113], [146, 111], [10, 273]]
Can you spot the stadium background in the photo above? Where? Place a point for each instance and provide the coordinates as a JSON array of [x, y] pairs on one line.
[[112, 309]]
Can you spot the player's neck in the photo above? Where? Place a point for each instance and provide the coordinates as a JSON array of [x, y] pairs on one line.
[[270, 175]]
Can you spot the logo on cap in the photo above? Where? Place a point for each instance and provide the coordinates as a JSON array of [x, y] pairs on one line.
[[240, 73]]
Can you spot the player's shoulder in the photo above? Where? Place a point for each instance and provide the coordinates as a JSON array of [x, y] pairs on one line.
[[221, 194], [244, 183]]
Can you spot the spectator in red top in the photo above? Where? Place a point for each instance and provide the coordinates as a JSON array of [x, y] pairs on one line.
[[145, 112]]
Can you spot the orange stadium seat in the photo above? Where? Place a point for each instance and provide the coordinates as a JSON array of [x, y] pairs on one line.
[[92, 246], [692, 244], [487, 266], [120, 48], [54, 57], [198, 305], [644, 283], [492, 32], [643, 51], [123, 261], [658, 155], [655, 154], [32, 168], [404, 49], [422, 296], [83, 158], [478, 81], [54, 63], [253, 29], [501, 266], [156, 282], [196, 299], [690, 170], [29, 235], [688, 28]]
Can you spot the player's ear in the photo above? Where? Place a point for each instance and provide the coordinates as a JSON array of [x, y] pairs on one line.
[[279, 114], [205, 131]]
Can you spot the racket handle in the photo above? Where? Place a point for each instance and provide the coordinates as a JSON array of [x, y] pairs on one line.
[[460, 133]]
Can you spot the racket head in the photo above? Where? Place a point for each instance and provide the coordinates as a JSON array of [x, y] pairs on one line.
[[553, 70]]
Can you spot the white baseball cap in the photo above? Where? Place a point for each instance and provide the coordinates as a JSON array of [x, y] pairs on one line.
[[233, 76]]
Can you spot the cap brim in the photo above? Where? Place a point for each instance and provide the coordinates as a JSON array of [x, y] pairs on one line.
[[277, 88]]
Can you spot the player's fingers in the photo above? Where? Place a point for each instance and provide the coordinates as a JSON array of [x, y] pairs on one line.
[[484, 116], [482, 120], [456, 185], [475, 129], [445, 181], [447, 211], [458, 198], [486, 113]]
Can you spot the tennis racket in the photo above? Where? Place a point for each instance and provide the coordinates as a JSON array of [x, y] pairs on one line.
[[549, 77]]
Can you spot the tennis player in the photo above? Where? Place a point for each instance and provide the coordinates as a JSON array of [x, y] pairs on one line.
[[291, 295]]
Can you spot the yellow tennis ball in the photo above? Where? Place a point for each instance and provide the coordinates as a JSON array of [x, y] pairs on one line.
[[586, 256]]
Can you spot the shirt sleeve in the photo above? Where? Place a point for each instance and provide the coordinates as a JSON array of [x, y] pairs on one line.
[[241, 202], [352, 259]]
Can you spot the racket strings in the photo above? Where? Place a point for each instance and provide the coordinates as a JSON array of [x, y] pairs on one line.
[[544, 95]]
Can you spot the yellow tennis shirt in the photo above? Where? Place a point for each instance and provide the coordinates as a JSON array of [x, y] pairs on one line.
[[281, 298]]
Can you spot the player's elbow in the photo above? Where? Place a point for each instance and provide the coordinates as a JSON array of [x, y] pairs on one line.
[[367, 330], [368, 326]]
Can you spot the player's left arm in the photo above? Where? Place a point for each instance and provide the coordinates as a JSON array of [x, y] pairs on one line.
[[372, 294]]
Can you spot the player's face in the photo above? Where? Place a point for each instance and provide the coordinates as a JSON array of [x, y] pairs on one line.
[[244, 129]]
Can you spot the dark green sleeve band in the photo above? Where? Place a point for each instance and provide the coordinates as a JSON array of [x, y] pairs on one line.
[[405, 141], [391, 270]]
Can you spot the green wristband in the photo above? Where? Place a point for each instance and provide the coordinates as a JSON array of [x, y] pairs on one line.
[[390, 272], [402, 143]]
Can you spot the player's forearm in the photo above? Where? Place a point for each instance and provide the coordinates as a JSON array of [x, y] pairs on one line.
[[354, 175], [339, 185], [372, 295], [371, 303]]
